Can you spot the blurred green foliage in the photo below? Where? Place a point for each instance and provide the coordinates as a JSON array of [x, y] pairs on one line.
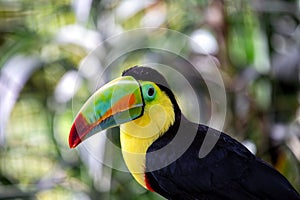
[[258, 51]]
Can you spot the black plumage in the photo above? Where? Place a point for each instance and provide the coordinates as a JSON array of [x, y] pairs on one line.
[[229, 171]]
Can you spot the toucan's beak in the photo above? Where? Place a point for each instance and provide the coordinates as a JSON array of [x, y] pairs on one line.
[[117, 102]]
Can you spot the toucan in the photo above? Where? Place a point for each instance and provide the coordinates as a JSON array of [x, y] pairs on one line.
[[160, 146]]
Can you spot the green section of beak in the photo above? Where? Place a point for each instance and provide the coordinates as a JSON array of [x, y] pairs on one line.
[[115, 103]]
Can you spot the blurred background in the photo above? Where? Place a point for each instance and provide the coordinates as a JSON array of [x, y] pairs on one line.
[[44, 44]]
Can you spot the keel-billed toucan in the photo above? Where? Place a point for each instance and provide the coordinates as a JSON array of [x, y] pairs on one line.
[[161, 147]]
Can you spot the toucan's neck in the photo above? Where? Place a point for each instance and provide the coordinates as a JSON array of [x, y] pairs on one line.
[[173, 100]]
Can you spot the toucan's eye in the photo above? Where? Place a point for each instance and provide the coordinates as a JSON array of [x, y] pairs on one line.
[[149, 92]]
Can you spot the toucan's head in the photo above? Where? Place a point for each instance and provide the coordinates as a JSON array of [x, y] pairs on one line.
[[139, 101]]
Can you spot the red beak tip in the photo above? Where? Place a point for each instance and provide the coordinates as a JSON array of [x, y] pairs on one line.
[[72, 144], [79, 130], [74, 139]]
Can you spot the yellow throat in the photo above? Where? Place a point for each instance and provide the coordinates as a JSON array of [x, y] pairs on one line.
[[137, 135]]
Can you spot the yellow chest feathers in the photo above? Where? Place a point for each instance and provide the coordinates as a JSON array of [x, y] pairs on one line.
[[137, 135]]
